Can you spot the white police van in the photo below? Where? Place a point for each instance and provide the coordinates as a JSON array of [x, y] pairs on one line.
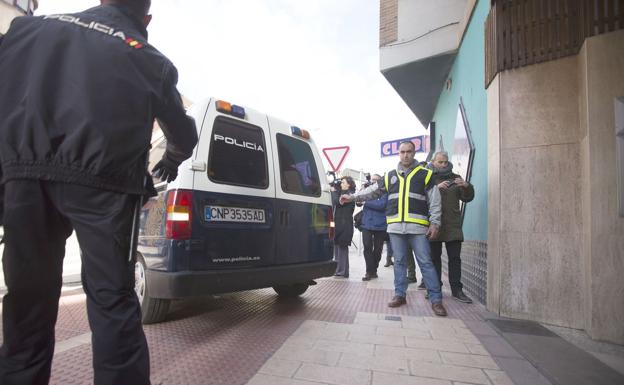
[[250, 209]]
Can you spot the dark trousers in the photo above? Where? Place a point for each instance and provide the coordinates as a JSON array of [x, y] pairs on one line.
[[453, 250], [39, 216], [373, 245]]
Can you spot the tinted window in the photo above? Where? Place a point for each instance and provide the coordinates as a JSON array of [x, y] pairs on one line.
[[298, 170], [237, 154]]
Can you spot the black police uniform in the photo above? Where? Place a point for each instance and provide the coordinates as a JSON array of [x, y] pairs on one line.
[[78, 99]]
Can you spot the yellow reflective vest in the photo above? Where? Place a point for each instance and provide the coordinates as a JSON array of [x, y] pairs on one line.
[[407, 197]]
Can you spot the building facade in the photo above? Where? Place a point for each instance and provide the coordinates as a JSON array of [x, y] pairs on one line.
[[538, 87]]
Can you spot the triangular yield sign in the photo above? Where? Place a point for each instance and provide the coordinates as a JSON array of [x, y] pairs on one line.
[[335, 156]]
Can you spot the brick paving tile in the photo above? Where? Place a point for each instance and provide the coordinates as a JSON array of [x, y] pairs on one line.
[[333, 375], [448, 372], [375, 363], [263, 379], [281, 368], [405, 332], [447, 346], [427, 355], [475, 361], [380, 378], [377, 339]]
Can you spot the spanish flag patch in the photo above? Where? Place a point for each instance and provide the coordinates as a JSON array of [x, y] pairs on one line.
[[133, 43]]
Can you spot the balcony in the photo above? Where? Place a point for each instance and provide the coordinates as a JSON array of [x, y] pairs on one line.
[[420, 39]]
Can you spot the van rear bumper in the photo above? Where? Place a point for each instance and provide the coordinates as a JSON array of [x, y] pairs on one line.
[[182, 284]]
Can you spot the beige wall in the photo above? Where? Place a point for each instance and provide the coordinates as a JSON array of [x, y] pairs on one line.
[[556, 242], [603, 78], [494, 199], [540, 219]]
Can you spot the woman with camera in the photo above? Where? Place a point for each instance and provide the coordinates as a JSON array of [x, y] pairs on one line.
[[343, 219]]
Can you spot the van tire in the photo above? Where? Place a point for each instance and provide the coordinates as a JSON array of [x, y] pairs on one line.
[[293, 290], [153, 310]]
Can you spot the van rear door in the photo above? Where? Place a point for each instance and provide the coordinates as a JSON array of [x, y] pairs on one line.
[[302, 207], [235, 193]]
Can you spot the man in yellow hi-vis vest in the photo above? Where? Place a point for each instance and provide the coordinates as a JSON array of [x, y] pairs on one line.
[[413, 215]]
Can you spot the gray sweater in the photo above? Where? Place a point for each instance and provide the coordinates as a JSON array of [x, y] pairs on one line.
[[376, 190]]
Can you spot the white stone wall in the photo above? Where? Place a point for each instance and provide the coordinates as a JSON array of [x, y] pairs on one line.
[[556, 242]]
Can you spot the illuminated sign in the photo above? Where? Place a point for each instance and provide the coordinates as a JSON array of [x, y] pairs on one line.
[[391, 148]]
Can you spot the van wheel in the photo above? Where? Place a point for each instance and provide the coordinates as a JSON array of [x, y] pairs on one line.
[[153, 310], [291, 290]]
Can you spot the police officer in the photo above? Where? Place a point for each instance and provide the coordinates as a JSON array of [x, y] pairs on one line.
[[79, 96], [413, 215]]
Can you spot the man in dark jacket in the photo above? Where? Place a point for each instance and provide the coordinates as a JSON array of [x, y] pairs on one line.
[[373, 231], [79, 94], [453, 188]]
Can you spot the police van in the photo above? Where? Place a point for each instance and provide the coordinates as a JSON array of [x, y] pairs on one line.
[[250, 209]]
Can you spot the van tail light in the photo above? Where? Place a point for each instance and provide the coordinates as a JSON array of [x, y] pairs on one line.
[[332, 224], [179, 214]]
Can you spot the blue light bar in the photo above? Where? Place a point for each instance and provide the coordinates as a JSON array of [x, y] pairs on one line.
[[295, 130], [238, 111]]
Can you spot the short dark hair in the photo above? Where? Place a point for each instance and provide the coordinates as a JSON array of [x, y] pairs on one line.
[[139, 8], [408, 142]]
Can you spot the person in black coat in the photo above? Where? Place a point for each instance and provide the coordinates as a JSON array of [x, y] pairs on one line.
[[79, 94], [343, 219]]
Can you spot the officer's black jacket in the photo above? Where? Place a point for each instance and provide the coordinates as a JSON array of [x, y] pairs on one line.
[[78, 98]]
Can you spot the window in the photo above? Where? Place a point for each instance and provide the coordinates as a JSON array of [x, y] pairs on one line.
[[237, 154], [463, 148], [298, 170]]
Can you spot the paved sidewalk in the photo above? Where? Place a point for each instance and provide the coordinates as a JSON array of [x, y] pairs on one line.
[[339, 332], [381, 349]]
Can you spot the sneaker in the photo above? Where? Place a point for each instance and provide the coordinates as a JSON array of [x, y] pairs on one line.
[[422, 286], [397, 301], [461, 297], [438, 309]]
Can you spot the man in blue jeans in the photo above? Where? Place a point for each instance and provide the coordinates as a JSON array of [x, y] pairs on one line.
[[413, 215]]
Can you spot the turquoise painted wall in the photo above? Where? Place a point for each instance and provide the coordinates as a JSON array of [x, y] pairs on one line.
[[468, 82]]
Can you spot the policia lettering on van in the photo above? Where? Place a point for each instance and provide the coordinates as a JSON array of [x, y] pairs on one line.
[[247, 211]]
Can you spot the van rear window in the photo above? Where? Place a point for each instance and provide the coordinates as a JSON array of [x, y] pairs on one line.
[[237, 154], [298, 170]]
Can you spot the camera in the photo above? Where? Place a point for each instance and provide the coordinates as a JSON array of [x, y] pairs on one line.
[[336, 182], [368, 181]]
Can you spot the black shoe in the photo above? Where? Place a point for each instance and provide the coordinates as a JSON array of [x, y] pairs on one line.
[[389, 262], [367, 277], [422, 286], [461, 297], [411, 280]]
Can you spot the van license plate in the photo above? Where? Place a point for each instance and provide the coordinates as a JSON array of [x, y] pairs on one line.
[[233, 214]]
